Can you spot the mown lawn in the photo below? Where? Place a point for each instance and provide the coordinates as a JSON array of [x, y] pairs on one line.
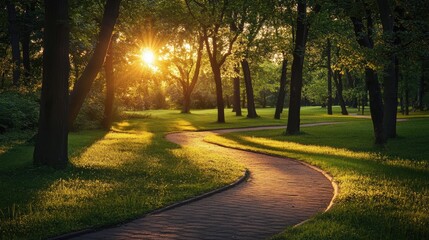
[[129, 171], [384, 193]]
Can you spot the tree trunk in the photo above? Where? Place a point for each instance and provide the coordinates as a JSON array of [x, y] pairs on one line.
[[376, 105], [282, 90], [339, 85], [110, 88], [423, 77], [83, 85], [25, 42], [14, 42], [243, 100], [390, 80], [407, 101], [293, 124], [51, 143], [236, 82], [219, 94], [186, 101], [328, 65], [372, 84], [251, 110]]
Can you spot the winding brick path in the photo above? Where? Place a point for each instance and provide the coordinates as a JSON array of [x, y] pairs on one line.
[[279, 193]]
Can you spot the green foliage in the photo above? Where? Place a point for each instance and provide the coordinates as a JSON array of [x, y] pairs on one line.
[[18, 111]]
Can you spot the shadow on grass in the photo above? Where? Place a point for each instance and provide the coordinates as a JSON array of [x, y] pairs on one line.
[[113, 178]]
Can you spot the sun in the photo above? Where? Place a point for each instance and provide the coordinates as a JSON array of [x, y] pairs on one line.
[[147, 56]]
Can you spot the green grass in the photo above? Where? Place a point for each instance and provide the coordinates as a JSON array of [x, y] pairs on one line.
[[122, 174], [384, 193]]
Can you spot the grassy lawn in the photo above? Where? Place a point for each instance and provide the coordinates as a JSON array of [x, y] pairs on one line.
[[122, 174], [384, 193]]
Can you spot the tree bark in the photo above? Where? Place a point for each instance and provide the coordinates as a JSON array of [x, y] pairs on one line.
[[282, 90], [406, 99], [251, 110], [219, 94], [293, 124], [376, 104], [424, 75], [236, 83], [390, 95], [188, 87], [14, 42], [25, 41], [110, 88], [339, 85], [51, 143], [84, 83], [186, 101], [328, 65]]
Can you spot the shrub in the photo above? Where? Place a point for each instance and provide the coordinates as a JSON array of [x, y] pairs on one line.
[[18, 111]]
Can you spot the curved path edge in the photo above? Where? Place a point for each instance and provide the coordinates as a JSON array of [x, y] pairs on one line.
[[326, 174], [243, 178]]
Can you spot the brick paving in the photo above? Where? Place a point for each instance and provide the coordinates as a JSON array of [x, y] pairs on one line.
[[279, 193]]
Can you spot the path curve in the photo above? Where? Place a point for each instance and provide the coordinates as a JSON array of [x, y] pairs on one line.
[[280, 192]]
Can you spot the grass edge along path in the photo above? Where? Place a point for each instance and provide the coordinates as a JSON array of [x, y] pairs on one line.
[[384, 193]]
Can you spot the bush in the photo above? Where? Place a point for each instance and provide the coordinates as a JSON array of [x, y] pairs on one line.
[[18, 111], [92, 112]]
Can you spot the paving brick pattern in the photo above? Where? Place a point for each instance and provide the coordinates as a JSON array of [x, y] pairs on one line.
[[279, 193]]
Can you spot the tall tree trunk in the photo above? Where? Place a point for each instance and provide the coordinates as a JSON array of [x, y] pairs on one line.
[[293, 123], [372, 84], [376, 106], [236, 83], [282, 90], [25, 41], [424, 75], [339, 85], [83, 85], [251, 110], [390, 95], [407, 99], [14, 42], [51, 143], [110, 88], [243, 100], [219, 94], [328, 65], [186, 101]]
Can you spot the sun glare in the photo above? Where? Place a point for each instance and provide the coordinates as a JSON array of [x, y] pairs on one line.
[[147, 56]]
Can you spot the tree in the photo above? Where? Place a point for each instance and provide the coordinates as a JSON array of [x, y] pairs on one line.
[[302, 26], [215, 19], [110, 86], [27, 29], [339, 86], [84, 83], [51, 143], [364, 38], [328, 64], [14, 41], [236, 95], [282, 90], [390, 94], [187, 59]]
